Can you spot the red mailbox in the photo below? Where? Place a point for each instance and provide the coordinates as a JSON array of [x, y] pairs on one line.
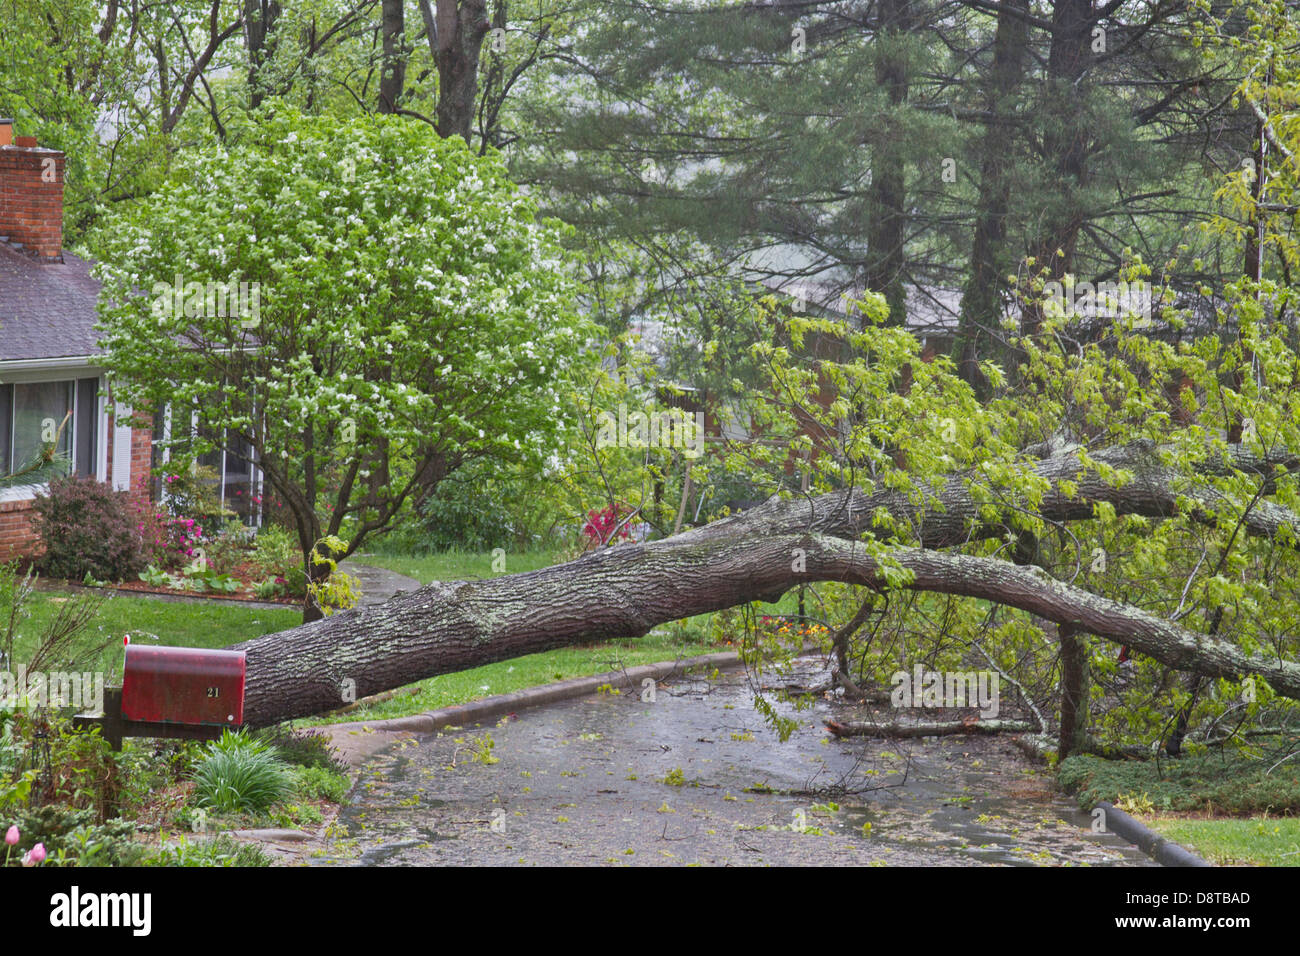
[[183, 685]]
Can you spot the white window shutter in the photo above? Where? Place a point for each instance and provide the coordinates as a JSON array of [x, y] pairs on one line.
[[122, 449]]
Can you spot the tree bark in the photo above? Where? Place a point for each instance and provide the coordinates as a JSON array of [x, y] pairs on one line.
[[461, 27], [259, 18], [392, 78], [944, 728], [1066, 138], [978, 331], [1074, 692], [886, 228]]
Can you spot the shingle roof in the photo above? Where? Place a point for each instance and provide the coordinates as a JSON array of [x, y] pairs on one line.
[[47, 310]]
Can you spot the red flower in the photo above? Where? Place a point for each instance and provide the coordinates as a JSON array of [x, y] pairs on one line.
[[600, 523]]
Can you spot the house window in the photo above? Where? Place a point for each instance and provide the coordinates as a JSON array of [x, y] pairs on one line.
[[35, 414], [237, 481]]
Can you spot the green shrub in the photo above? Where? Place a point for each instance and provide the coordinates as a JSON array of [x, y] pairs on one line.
[[485, 505], [269, 589], [229, 548], [461, 517], [71, 769], [147, 767], [297, 817], [1225, 783], [277, 557], [72, 838], [240, 773], [193, 492], [155, 577], [317, 783], [87, 528], [295, 582], [203, 577], [222, 850], [275, 552], [303, 748]]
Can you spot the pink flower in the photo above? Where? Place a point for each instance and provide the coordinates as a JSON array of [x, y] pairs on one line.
[[11, 836], [35, 855]]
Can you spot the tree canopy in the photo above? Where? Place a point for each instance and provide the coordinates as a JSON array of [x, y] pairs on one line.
[[366, 308]]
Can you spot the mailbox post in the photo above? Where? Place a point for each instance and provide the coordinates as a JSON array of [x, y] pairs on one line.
[[176, 692]]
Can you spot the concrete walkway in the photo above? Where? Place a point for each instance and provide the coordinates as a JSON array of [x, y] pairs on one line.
[[378, 584]]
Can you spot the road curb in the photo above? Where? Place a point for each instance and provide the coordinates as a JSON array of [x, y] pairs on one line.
[[1164, 851]]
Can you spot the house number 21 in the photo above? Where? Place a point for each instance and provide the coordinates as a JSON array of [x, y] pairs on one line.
[[214, 691]]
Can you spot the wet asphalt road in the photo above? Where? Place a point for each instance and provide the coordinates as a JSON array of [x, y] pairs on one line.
[[696, 777]]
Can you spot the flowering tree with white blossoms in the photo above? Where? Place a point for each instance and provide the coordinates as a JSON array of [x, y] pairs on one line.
[[368, 308]]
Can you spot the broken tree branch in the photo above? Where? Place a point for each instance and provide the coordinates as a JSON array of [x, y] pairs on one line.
[[941, 728]]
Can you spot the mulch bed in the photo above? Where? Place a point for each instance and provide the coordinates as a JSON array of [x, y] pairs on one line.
[[244, 573]]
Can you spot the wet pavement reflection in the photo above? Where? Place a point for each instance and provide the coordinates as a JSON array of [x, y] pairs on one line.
[[696, 777]]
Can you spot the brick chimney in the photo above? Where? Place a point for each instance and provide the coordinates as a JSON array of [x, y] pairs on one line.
[[31, 195]]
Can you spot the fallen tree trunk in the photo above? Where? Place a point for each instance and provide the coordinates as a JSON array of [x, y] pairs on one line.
[[940, 728], [627, 590]]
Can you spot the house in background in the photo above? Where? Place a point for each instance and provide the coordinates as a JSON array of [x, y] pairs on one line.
[[50, 364], [50, 372]]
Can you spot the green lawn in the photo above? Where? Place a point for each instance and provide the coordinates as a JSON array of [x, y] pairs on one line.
[[1255, 841], [663, 644], [219, 623], [457, 565], [149, 621]]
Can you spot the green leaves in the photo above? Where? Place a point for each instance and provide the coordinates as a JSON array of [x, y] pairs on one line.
[[410, 313], [237, 773]]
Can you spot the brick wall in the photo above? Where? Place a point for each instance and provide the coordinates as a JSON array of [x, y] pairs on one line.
[[141, 461], [17, 540], [31, 198], [141, 455]]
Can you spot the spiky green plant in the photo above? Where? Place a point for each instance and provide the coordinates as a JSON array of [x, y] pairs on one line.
[[240, 773]]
